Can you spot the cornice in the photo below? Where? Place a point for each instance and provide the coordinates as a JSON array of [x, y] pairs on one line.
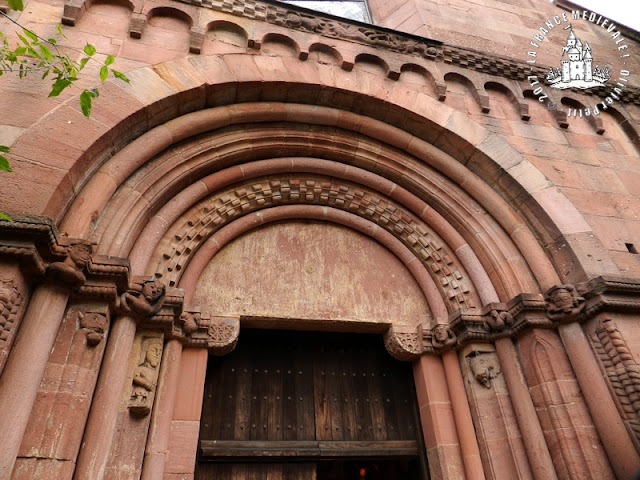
[[302, 19]]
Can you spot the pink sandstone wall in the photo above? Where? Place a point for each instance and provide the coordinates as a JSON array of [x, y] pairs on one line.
[[489, 198]]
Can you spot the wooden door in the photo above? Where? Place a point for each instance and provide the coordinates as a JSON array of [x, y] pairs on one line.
[[305, 406]]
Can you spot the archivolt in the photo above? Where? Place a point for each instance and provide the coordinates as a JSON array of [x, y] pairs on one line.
[[140, 193]]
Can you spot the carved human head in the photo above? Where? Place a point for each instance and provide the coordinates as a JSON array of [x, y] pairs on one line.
[[152, 349], [562, 299], [153, 291], [441, 333]]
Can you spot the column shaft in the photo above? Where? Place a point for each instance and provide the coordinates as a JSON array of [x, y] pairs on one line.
[[613, 434], [98, 436], [526, 416], [25, 368], [160, 429]]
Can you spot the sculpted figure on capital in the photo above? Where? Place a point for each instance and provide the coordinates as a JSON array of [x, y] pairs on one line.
[[145, 302], [563, 303], [70, 270], [442, 337]]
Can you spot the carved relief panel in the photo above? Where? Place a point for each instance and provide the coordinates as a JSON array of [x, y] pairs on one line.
[[145, 358], [622, 371], [10, 313]]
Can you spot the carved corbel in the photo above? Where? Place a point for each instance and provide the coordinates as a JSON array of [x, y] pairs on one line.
[[95, 326], [223, 335], [197, 329], [196, 39], [70, 271], [483, 363], [404, 342], [524, 111], [563, 303], [136, 25], [192, 327], [73, 11]]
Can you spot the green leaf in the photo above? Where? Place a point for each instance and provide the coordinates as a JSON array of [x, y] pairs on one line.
[[24, 40], [104, 73], [83, 62], [30, 34], [4, 165], [60, 32], [15, 4], [109, 60], [90, 50], [4, 149], [120, 75], [4, 217], [59, 86], [85, 101], [46, 53]]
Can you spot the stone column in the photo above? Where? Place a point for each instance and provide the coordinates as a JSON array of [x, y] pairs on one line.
[[52, 439], [27, 362], [526, 415], [564, 305], [25, 368], [101, 425], [160, 429], [462, 414], [438, 422], [613, 434], [96, 443]]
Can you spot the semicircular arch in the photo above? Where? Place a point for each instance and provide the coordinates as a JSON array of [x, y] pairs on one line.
[[509, 188]]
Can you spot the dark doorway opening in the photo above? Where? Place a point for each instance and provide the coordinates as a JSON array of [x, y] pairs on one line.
[[309, 406]]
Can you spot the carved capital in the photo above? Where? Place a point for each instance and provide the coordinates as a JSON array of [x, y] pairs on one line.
[[142, 300], [563, 303], [498, 320]]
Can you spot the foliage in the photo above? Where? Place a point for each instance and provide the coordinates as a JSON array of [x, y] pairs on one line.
[[46, 57]]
